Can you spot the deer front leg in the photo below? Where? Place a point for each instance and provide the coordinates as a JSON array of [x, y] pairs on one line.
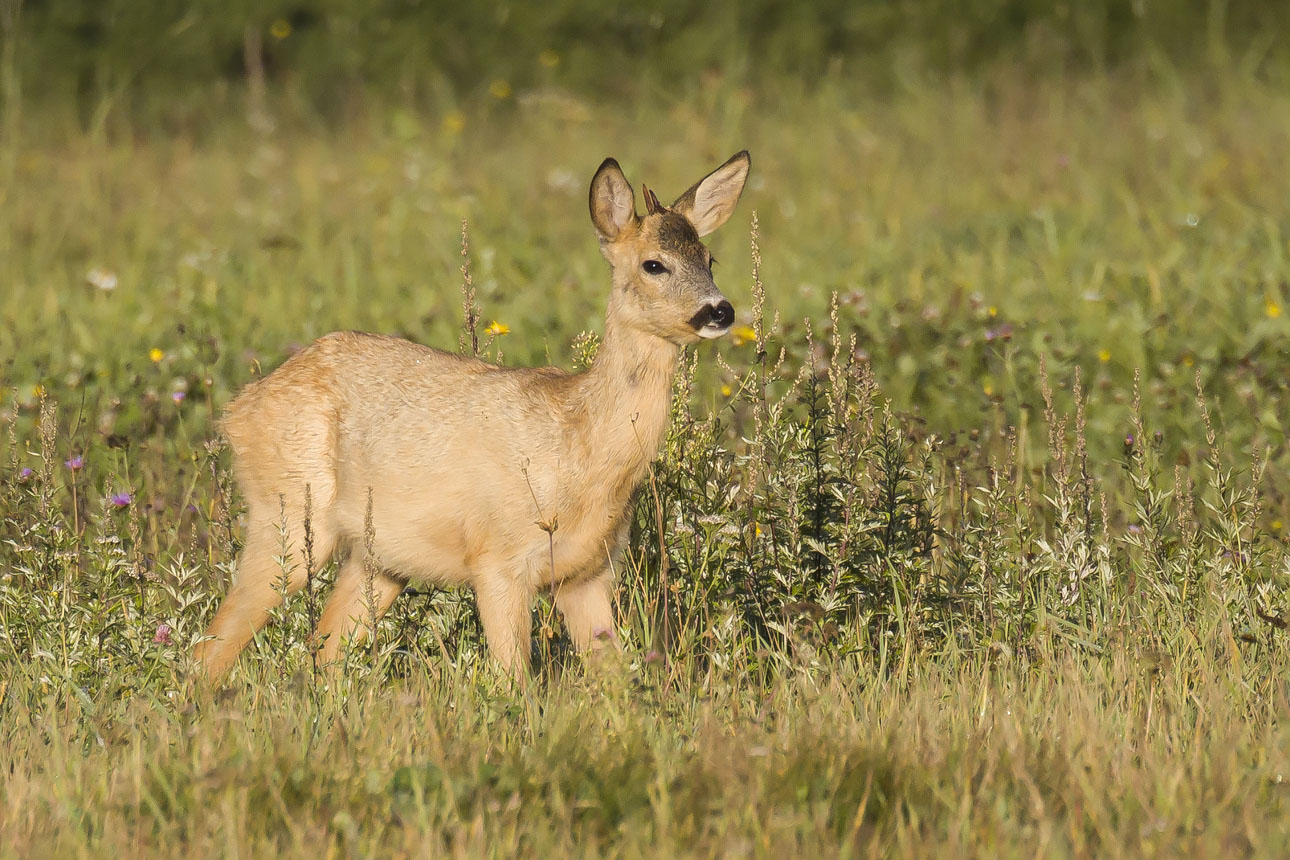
[[506, 612], [587, 606]]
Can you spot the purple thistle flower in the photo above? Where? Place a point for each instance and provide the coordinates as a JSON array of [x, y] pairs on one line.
[[24, 473], [120, 500], [1003, 332], [162, 636], [178, 396], [75, 463]]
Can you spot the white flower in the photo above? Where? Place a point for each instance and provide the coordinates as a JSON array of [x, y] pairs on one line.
[[101, 278]]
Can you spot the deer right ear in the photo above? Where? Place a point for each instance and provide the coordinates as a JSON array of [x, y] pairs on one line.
[[712, 199], [613, 203]]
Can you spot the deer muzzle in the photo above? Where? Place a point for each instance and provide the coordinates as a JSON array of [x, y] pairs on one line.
[[714, 319]]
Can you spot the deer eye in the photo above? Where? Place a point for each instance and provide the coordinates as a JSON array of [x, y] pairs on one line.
[[654, 267]]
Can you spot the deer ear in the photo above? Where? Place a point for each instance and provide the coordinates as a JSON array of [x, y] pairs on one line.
[[712, 199], [612, 201]]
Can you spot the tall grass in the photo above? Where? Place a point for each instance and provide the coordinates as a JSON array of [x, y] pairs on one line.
[[967, 543]]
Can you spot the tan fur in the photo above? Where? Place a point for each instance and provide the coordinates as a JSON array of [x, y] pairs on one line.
[[470, 465]]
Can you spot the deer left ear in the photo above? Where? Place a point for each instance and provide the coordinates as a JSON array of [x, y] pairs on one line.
[[712, 199], [612, 202]]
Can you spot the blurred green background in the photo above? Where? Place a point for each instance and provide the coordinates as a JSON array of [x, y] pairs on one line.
[[181, 62], [986, 185]]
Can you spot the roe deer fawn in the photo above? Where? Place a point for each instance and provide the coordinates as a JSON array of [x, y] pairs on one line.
[[509, 480]]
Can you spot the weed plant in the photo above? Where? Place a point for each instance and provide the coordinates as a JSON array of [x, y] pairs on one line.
[[968, 543]]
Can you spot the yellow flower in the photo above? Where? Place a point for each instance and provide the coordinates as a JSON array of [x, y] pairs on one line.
[[988, 387], [726, 390], [280, 29], [742, 334], [1272, 309], [155, 355], [549, 58], [454, 122], [1189, 360], [38, 391], [499, 89], [1104, 355], [992, 311], [496, 328], [1276, 525]]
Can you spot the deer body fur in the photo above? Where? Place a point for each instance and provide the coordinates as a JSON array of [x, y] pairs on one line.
[[509, 480]]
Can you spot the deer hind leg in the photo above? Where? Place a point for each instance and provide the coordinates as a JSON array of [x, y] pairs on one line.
[[258, 582], [587, 606], [351, 609]]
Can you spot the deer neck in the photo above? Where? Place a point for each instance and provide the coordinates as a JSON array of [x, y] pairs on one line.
[[627, 395]]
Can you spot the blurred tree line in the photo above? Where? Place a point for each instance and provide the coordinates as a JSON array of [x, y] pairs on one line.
[[132, 53]]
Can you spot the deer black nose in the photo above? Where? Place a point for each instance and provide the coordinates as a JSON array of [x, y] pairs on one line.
[[723, 314]]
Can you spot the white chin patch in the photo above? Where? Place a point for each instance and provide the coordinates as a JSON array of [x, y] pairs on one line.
[[711, 332]]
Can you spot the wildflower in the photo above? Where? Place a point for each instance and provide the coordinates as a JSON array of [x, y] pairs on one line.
[[499, 89], [992, 311], [101, 279], [1276, 525], [1129, 441], [454, 122], [988, 387], [1272, 309], [653, 657], [280, 29], [120, 500], [155, 355], [549, 58], [38, 391], [75, 463], [162, 636], [24, 473], [1188, 360], [178, 397], [726, 390], [1135, 529], [1104, 355], [742, 334], [497, 329]]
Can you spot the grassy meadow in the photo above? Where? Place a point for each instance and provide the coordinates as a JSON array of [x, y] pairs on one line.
[[970, 541]]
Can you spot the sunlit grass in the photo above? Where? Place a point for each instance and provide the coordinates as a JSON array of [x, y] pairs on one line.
[[1016, 628]]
